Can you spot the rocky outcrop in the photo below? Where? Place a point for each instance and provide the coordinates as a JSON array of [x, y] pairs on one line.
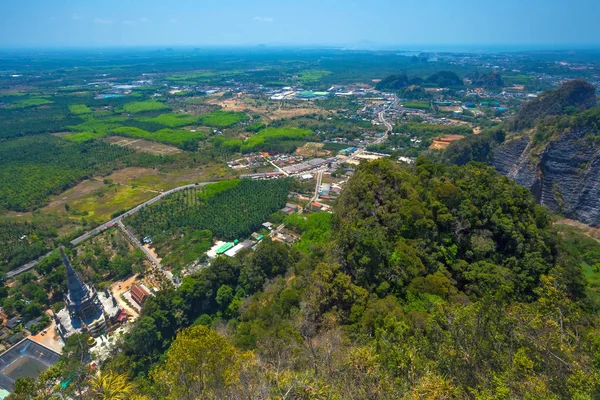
[[565, 176]]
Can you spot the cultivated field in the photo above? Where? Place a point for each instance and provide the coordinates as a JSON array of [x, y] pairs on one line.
[[143, 145], [268, 109]]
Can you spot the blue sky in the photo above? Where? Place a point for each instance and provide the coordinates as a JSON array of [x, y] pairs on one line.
[[82, 23]]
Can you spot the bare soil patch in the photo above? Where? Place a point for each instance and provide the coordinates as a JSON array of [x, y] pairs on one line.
[[126, 175], [445, 141], [312, 149], [82, 189], [271, 110], [142, 145]]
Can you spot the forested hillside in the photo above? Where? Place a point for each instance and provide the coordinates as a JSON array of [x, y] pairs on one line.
[[430, 282], [573, 96]]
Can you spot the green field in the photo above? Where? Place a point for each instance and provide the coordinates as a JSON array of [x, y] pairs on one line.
[[222, 119], [312, 75], [172, 120], [417, 105], [98, 125], [80, 137], [208, 76], [169, 136], [270, 138], [278, 140], [79, 109], [32, 102], [102, 204], [144, 106]]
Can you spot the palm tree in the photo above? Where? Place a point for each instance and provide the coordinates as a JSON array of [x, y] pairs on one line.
[[111, 386]]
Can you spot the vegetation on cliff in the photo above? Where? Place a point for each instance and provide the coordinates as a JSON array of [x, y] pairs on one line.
[[570, 97]]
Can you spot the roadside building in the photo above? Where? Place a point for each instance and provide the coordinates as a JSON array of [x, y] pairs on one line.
[[224, 248], [257, 236], [248, 244], [232, 252], [315, 206]]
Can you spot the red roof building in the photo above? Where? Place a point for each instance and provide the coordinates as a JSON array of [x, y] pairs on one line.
[[122, 318], [139, 294]]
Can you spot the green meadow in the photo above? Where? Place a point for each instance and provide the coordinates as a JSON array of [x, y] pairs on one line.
[[79, 109], [144, 106], [172, 120], [31, 102], [222, 119]]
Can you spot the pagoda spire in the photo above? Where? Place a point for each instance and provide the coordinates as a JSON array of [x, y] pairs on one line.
[[77, 290]]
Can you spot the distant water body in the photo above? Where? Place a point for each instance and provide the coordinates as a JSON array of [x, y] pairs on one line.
[[482, 48]]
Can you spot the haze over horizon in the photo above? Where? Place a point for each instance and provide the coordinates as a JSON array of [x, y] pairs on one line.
[[468, 24]]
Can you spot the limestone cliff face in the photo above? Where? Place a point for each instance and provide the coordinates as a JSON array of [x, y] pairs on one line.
[[565, 176]]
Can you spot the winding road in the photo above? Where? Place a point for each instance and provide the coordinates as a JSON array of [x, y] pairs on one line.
[[117, 220], [101, 228]]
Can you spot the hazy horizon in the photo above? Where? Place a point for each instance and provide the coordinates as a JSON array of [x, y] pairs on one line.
[[380, 24]]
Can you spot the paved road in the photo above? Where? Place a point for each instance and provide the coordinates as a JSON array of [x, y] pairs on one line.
[[105, 226], [317, 187], [147, 252], [277, 167]]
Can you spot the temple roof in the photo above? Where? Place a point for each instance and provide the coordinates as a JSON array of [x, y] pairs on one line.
[[77, 290]]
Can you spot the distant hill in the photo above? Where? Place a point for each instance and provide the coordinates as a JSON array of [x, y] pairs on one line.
[[572, 96], [393, 82], [490, 80], [445, 79]]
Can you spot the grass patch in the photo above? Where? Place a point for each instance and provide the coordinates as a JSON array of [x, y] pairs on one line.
[[32, 102], [144, 106], [222, 119], [79, 109], [172, 120], [312, 75], [206, 76], [80, 137], [277, 140], [420, 106], [169, 136], [105, 202], [98, 125], [271, 137]]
